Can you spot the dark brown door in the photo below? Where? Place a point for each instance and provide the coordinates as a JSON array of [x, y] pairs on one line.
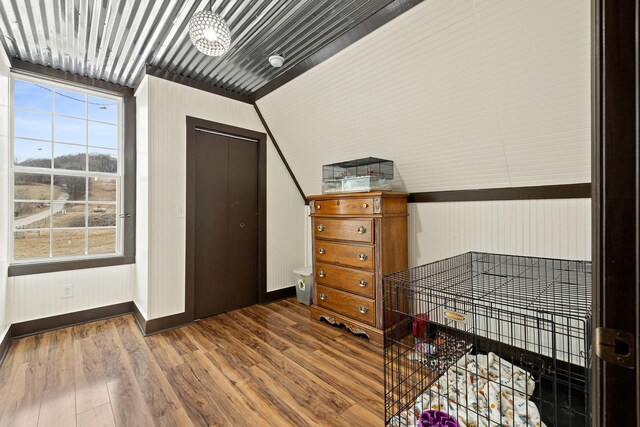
[[616, 213], [226, 223]]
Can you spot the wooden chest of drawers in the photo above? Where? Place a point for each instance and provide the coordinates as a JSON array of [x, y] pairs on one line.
[[357, 238]]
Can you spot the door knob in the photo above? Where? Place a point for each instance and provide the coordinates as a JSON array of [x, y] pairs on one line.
[[242, 225], [321, 251], [362, 256], [362, 230], [362, 283], [322, 273]]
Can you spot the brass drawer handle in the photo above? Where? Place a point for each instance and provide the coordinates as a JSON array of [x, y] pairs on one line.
[[362, 283], [322, 251], [362, 309], [322, 296], [365, 205], [362, 256], [362, 230], [318, 206], [322, 273], [320, 228]]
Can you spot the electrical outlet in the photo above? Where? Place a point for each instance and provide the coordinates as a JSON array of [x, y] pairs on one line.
[[67, 291]]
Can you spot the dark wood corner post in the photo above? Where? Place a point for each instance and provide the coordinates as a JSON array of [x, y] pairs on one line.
[[616, 219]]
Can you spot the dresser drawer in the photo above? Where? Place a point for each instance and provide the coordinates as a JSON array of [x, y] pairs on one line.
[[363, 206], [355, 307], [354, 281], [354, 230], [345, 254]]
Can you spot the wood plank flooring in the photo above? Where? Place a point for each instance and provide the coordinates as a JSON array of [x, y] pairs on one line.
[[260, 366]]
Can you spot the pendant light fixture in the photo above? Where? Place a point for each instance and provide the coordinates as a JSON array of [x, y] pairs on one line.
[[209, 33]]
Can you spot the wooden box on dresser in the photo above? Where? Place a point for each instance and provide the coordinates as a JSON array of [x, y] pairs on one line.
[[357, 238]]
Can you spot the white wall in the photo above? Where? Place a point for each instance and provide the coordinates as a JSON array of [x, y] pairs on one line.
[[460, 94], [168, 105], [546, 228], [4, 188], [141, 282], [40, 295]]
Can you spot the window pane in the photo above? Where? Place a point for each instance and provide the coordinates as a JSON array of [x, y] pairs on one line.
[[102, 241], [31, 95], [103, 160], [69, 156], [70, 103], [31, 244], [27, 152], [68, 243], [103, 110], [70, 130], [72, 188], [31, 215], [69, 215], [103, 135], [102, 215], [31, 124], [102, 189], [31, 186]]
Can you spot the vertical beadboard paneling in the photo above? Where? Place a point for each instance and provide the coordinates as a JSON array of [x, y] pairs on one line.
[[285, 237], [4, 187], [40, 295], [542, 228], [141, 282], [460, 94], [169, 104]]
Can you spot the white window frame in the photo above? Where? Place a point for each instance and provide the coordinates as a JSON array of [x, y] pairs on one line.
[[119, 175]]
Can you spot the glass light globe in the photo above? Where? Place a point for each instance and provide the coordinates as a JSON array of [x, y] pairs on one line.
[[209, 33]]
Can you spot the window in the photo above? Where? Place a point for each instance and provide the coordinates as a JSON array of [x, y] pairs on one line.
[[66, 172]]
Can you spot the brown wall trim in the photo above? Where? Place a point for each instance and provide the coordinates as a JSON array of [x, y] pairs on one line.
[[196, 84], [37, 326], [375, 21], [279, 294], [564, 191], [161, 324], [55, 266], [284, 160], [138, 317], [5, 344], [68, 77]]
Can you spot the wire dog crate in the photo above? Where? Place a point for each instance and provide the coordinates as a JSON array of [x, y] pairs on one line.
[[491, 340]]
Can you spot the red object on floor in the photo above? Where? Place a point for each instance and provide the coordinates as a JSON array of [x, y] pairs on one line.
[[420, 325]]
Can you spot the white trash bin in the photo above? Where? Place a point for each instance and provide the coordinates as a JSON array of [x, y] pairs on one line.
[[304, 284]]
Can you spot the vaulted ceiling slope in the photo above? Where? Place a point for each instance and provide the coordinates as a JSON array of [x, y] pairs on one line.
[[112, 40], [460, 94]]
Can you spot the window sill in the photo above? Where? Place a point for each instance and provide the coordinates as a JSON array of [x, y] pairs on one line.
[[55, 266]]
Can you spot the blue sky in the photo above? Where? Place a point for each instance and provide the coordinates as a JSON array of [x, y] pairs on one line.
[[38, 124]]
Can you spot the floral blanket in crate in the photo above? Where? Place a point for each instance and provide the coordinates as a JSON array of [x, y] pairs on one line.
[[480, 391]]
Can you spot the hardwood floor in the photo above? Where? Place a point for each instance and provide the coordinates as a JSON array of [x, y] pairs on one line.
[[262, 365]]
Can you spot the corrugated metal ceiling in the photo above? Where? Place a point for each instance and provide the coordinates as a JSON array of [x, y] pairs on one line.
[[113, 40]]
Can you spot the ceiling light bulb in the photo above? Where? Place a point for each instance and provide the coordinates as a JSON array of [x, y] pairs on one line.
[[210, 34]]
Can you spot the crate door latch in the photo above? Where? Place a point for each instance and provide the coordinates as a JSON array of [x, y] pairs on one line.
[[616, 347]]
